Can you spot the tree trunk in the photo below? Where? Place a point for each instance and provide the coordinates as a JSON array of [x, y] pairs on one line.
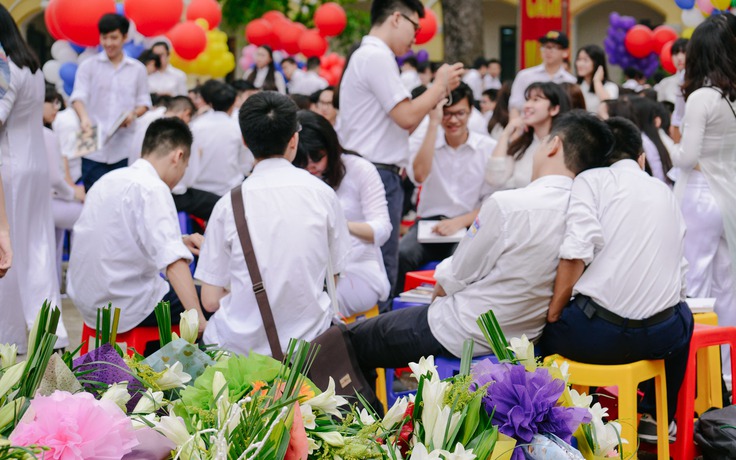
[[463, 30]]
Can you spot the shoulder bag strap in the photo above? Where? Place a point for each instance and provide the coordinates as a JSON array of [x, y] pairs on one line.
[[730, 106], [241, 224]]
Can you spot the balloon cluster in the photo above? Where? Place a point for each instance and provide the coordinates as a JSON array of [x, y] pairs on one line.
[[62, 69], [282, 34], [331, 68], [215, 59], [421, 56], [632, 45], [695, 11]]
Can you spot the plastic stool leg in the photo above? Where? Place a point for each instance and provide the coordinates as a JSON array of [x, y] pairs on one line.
[[663, 442], [381, 388], [627, 416]]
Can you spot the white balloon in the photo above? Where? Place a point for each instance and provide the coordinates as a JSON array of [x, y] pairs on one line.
[[51, 71], [63, 52], [692, 17]]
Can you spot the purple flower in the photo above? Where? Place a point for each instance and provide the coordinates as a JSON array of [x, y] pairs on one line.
[[525, 403], [105, 366]]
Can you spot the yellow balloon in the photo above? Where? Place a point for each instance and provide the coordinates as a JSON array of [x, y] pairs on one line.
[[688, 33], [218, 48], [721, 4], [202, 22]]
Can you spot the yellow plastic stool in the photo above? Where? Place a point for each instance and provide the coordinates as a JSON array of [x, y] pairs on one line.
[[627, 378], [708, 378], [380, 373]]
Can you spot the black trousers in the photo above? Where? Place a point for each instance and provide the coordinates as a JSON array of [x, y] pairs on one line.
[[413, 254], [390, 249], [196, 202], [596, 341], [93, 170]]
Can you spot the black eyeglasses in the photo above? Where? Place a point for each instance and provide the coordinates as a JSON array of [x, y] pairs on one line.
[[417, 26]]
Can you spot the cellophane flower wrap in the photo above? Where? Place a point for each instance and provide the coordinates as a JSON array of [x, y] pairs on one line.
[[75, 427]]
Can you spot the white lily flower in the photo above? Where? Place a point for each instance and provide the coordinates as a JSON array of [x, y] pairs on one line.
[[312, 445], [328, 402], [150, 401], [598, 412], [424, 366], [118, 393], [366, 418], [420, 452], [218, 383], [8, 355], [433, 395], [607, 437], [445, 417], [174, 429], [461, 454], [396, 413], [524, 351], [174, 377], [580, 400], [308, 417], [11, 377], [142, 421], [189, 326], [332, 438]]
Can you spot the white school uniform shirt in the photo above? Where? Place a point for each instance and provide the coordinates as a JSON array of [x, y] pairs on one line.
[[108, 92], [295, 221], [628, 229], [66, 127], [306, 83], [455, 184], [506, 173], [261, 75], [223, 158], [142, 124], [668, 88], [474, 80], [478, 123], [532, 75], [127, 235], [365, 102], [171, 81], [490, 82], [507, 261], [410, 79], [591, 99]]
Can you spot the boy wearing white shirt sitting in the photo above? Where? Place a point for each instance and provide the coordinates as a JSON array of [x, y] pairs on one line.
[[627, 305], [449, 165], [506, 261], [128, 234]]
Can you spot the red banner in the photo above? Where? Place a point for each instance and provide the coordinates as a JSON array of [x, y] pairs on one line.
[[537, 18]]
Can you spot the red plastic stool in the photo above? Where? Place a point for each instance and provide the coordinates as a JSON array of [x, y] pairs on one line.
[[703, 336], [416, 279], [135, 338]]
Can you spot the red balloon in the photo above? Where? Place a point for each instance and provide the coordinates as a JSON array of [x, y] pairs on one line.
[[77, 19], [188, 39], [330, 19], [665, 57], [663, 35], [311, 44], [154, 18], [258, 32], [209, 10], [274, 16], [49, 17], [639, 41], [428, 27], [288, 34]]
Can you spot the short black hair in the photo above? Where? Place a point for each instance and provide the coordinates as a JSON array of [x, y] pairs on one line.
[[209, 88], [181, 104], [160, 100], [680, 46], [491, 93], [631, 72], [111, 22], [165, 135], [242, 86], [586, 139], [164, 44], [302, 101], [494, 61], [149, 56], [313, 63], [462, 91], [51, 95], [223, 98], [268, 122], [412, 61], [288, 60], [422, 66], [479, 62], [627, 143], [382, 9], [418, 91]]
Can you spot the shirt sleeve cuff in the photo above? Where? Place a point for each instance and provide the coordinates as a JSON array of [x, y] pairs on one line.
[[572, 249], [443, 276], [173, 252]]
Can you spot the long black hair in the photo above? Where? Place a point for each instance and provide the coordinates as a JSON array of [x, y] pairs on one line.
[[557, 98], [501, 112], [15, 47], [711, 57], [646, 110], [598, 56], [269, 83]]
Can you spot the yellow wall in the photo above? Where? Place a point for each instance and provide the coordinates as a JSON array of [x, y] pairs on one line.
[[22, 10]]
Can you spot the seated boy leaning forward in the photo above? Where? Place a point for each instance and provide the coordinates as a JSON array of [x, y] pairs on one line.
[[128, 234], [506, 262], [627, 305]]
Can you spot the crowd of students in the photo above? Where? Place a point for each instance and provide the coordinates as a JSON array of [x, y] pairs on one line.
[[592, 210]]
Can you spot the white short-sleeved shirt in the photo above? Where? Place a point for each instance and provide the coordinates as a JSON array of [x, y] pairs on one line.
[[508, 262], [306, 83], [108, 92], [490, 82], [533, 75], [627, 227], [295, 221], [371, 87], [66, 127], [127, 235], [223, 160], [411, 79], [141, 126], [591, 99], [171, 81], [474, 80], [455, 185]]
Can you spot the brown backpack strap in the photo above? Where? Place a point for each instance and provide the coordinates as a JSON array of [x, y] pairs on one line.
[[241, 223]]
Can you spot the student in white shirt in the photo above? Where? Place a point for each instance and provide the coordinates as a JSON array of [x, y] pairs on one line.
[[554, 46], [474, 76], [307, 82], [488, 104], [500, 117], [295, 223], [244, 90], [167, 80], [363, 282], [180, 107], [66, 127], [635, 80], [108, 86], [673, 87], [506, 261], [492, 79], [376, 112], [264, 75], [510, 166], [628, 302], [450, 165], [590, 66], [128, 234], [324, 104], [409, 74]]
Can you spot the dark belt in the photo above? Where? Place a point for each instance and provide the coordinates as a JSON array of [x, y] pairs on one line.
[[386, 167], [591, 309]]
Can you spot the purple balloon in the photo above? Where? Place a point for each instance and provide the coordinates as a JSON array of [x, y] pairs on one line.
[[423, 56]]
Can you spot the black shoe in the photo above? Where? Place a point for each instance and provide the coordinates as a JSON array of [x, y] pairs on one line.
[[648, 429]]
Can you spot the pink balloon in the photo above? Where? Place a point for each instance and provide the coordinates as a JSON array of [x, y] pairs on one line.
[[705, 6]]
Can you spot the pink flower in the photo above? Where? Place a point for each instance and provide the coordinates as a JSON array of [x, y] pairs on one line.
[[298, 442], [75, 427]]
